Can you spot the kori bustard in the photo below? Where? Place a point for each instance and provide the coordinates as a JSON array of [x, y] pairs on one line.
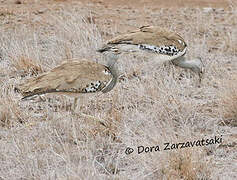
[[164, 44], [74, 78]]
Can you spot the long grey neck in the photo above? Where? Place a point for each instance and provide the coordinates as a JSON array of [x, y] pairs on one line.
[[195, 64], [111, 64], [182, 62]]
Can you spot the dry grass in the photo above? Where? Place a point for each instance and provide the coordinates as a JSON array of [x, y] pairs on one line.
[[229, 101], [42, 139], [26, 66], [186, 164]]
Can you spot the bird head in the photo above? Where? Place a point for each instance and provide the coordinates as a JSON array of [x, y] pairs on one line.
[[112, 56]]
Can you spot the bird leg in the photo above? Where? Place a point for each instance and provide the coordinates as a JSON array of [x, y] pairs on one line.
[[75, 103], [89, 117]]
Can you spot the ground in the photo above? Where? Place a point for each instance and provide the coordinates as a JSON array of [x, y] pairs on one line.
[[152, 105]]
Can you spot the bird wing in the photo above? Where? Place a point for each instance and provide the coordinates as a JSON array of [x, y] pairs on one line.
[[151, 35], [71, 77]]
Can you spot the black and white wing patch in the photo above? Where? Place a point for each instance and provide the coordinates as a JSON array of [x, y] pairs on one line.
[[166, 50]]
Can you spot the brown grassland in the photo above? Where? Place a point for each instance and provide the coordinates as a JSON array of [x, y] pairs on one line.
[[152, 103]]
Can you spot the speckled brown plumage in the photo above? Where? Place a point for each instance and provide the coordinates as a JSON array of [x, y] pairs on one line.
[[152, 35], [162, 43], [69, 78]]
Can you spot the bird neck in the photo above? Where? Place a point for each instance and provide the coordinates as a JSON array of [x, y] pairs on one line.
[[113, 82], [111, 59], [111, 64], [182, 62]]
